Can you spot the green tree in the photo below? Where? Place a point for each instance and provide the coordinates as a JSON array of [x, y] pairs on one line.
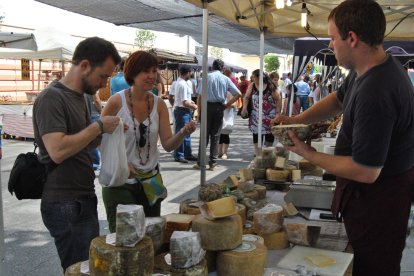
[[144, 39], [271, 63], [216, 52]]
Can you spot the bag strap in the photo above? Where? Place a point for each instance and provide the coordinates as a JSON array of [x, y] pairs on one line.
[[35, 146]]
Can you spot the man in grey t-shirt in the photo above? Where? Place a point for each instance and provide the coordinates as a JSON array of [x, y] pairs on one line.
[[65, 134]]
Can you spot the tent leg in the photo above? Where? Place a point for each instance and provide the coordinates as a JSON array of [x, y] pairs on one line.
[[259, 131], [203, 126]]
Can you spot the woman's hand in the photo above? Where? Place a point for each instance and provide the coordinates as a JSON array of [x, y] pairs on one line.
[[244, 112], [188, 128], [283, 120]]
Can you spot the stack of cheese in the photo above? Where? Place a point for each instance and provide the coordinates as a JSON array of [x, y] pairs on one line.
[[268, 223], [247, 186], [266, 159], [133, 253]]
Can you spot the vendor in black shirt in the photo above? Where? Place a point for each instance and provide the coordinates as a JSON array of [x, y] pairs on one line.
[[374, 153]]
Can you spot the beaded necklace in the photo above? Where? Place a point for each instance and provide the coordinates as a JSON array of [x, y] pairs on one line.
[[141, 142]]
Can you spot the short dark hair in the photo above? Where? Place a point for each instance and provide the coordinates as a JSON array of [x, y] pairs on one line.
[[364, 17], [218, 64], [184, 69], [136, 63], [96, 50]]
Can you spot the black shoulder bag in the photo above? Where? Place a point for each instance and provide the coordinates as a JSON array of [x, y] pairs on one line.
[[28, 176]]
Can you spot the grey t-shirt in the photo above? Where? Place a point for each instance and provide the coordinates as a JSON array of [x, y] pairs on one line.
[[378, 123], [59, 109]]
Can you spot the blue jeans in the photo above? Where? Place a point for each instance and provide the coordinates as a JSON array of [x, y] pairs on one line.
[[73, 224], [182, 116], [303, 102]]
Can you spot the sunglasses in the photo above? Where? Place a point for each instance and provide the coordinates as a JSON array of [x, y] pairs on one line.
[[142, 131]]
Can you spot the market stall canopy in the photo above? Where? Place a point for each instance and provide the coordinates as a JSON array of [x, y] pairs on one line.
[[177, 16], [14, 40], [170, 56], [262, 14]]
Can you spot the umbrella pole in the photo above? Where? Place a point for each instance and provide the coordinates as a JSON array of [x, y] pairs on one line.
[[259, 131], [203, 126]]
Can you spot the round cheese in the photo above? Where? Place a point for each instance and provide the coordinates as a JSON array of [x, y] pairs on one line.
[[221, 234], [246, 260], [74, 270], [268, 220], [106, 259], [253, 238], [253, 194], [248, 227], [241, 210], [261, 191], [154, 228], [186, 208], [197, 270], [276, 241]]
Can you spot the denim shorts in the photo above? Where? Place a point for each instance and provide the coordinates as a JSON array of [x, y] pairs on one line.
[[73, 224]]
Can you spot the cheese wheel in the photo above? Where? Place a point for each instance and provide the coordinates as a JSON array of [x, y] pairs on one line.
[[75, 270], [261, 191], [303, 234], [241, 210], [248, 227], [160, 265], [221, 234], [246, 260], [197, 270], [211, 258], [277, 174], [268, 220], [276, 241], [253, 238], [185, 249], [130, 224], [106, 259], [254, 195], [305, 165], [154, 228], [186, 208], [176, 222]]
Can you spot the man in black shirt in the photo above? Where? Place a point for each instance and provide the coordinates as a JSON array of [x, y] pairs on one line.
[[65, 135], [374, 153]]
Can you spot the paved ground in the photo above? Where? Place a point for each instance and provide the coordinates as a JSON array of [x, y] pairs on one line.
[[29, 247]]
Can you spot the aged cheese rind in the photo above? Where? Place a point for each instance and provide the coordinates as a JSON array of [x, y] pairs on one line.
[[197, 270], [160, 265], [186, 208], [277, 174], [241, 210], [261, 191], [248, 227], [254, 195], [236, 263], [246, 174], [185, 249], [268, 220], [106, 259], [303, 234], [221, 234], [176, 222], [276, 241], [74, 270], [154, 228], [130, 224]]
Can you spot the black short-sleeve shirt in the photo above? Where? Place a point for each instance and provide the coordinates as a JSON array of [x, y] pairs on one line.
[[378, 118], [59, 109]]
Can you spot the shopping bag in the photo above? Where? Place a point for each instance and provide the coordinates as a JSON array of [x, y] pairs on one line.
[[114, 167], [228, 121]]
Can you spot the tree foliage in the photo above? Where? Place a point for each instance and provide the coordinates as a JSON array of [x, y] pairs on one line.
[[144, 39], [271, 63], [216, 52]]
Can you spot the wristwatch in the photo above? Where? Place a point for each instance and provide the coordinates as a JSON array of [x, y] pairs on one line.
[[100, 126]]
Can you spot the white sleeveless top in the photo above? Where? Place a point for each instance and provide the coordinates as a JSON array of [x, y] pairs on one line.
[[135, 155]]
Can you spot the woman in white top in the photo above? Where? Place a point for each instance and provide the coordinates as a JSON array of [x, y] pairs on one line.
[[145, 118]]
